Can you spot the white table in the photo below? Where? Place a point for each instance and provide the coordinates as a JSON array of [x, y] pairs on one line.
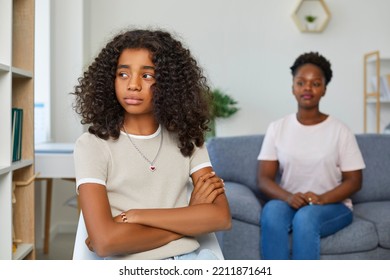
[[53, 161]]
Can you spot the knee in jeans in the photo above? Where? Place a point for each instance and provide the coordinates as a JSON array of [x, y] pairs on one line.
[[273, 212], [304, 219], [269, 211], [275, 206]]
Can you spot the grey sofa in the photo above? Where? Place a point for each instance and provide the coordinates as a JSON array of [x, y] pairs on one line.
[[368, 237]]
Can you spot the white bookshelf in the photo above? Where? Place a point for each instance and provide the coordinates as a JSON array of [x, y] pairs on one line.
[[17, 90], [376, 107]]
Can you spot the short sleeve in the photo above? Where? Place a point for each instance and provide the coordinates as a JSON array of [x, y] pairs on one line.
[[268, 147], [350, 155], [199, 159], [91, 158]]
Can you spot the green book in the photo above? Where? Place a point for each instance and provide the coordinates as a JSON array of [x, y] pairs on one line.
[[20, 134], [13, 132], [17, 129]]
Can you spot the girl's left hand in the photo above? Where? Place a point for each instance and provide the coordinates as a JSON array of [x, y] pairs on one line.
[[207, 188]]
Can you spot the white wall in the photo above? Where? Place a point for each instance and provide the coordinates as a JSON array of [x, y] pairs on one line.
[[66, 54], [41, 96], [247, 47], [42, 71], [67, 64]]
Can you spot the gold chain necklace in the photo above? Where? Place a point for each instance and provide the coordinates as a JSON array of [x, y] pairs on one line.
[[152, 167]]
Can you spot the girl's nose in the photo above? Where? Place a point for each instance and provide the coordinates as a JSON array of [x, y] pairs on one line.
[[134, 83]]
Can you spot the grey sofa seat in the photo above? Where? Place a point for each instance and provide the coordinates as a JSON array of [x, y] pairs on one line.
[[359, 236], [377, 212], [368, 237]]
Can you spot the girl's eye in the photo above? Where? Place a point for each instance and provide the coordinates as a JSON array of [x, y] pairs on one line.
[[122, 75], [300, 83], [147, 76]]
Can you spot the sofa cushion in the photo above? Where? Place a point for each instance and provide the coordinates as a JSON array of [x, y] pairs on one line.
[[359, 236], [379, 214], [244, 205], [376, 179], [235, 158]]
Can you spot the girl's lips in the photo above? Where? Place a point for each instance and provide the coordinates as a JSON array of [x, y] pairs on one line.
[[133, 101]]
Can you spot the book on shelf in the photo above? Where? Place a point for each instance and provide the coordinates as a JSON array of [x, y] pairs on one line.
[[384, 86], [17, 129]]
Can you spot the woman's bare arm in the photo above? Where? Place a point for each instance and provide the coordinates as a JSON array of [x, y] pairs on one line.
[[266, 179], [351, 183]]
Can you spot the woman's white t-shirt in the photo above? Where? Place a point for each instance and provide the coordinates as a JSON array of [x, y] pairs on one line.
[[311, 157]]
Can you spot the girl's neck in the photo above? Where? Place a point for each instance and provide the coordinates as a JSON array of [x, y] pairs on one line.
[[141, 126], [310, 117]]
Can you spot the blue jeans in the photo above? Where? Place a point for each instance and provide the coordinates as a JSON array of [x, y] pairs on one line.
[[307, 226]]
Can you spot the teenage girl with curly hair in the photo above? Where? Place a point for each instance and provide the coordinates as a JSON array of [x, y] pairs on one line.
[[147, 104], [320, 165]]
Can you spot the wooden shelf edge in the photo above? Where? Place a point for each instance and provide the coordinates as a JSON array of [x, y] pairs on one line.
[[4, 169], [371, 57], [21, 164], [4, 68], [22, 251], [382, 101], [21, 73]]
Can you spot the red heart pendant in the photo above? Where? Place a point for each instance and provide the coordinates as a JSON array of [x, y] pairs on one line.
[[152, 168]]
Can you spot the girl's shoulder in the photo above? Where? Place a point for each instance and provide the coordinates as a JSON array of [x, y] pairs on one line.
[[87, 137], [89, 140]]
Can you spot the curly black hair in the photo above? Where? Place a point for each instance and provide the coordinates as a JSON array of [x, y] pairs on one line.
[[181, 95], [316, 59]]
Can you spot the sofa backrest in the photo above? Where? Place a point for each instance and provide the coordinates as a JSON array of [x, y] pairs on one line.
[[235, 159], [375, 149]]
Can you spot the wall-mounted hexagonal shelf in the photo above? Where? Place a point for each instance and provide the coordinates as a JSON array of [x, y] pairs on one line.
[[311, 15]]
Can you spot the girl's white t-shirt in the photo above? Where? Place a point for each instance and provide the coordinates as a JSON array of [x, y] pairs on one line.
[[130, 183]]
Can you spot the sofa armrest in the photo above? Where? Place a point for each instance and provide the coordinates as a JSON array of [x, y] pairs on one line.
[[244, 205]]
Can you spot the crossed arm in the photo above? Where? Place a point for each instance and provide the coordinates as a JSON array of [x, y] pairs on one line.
[[350, 183], [147, 229]]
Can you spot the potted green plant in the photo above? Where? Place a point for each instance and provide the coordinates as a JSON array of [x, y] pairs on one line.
[[222, 106], [310, 22]]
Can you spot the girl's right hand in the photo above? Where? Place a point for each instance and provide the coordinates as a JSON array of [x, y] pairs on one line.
[[207, 188]]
